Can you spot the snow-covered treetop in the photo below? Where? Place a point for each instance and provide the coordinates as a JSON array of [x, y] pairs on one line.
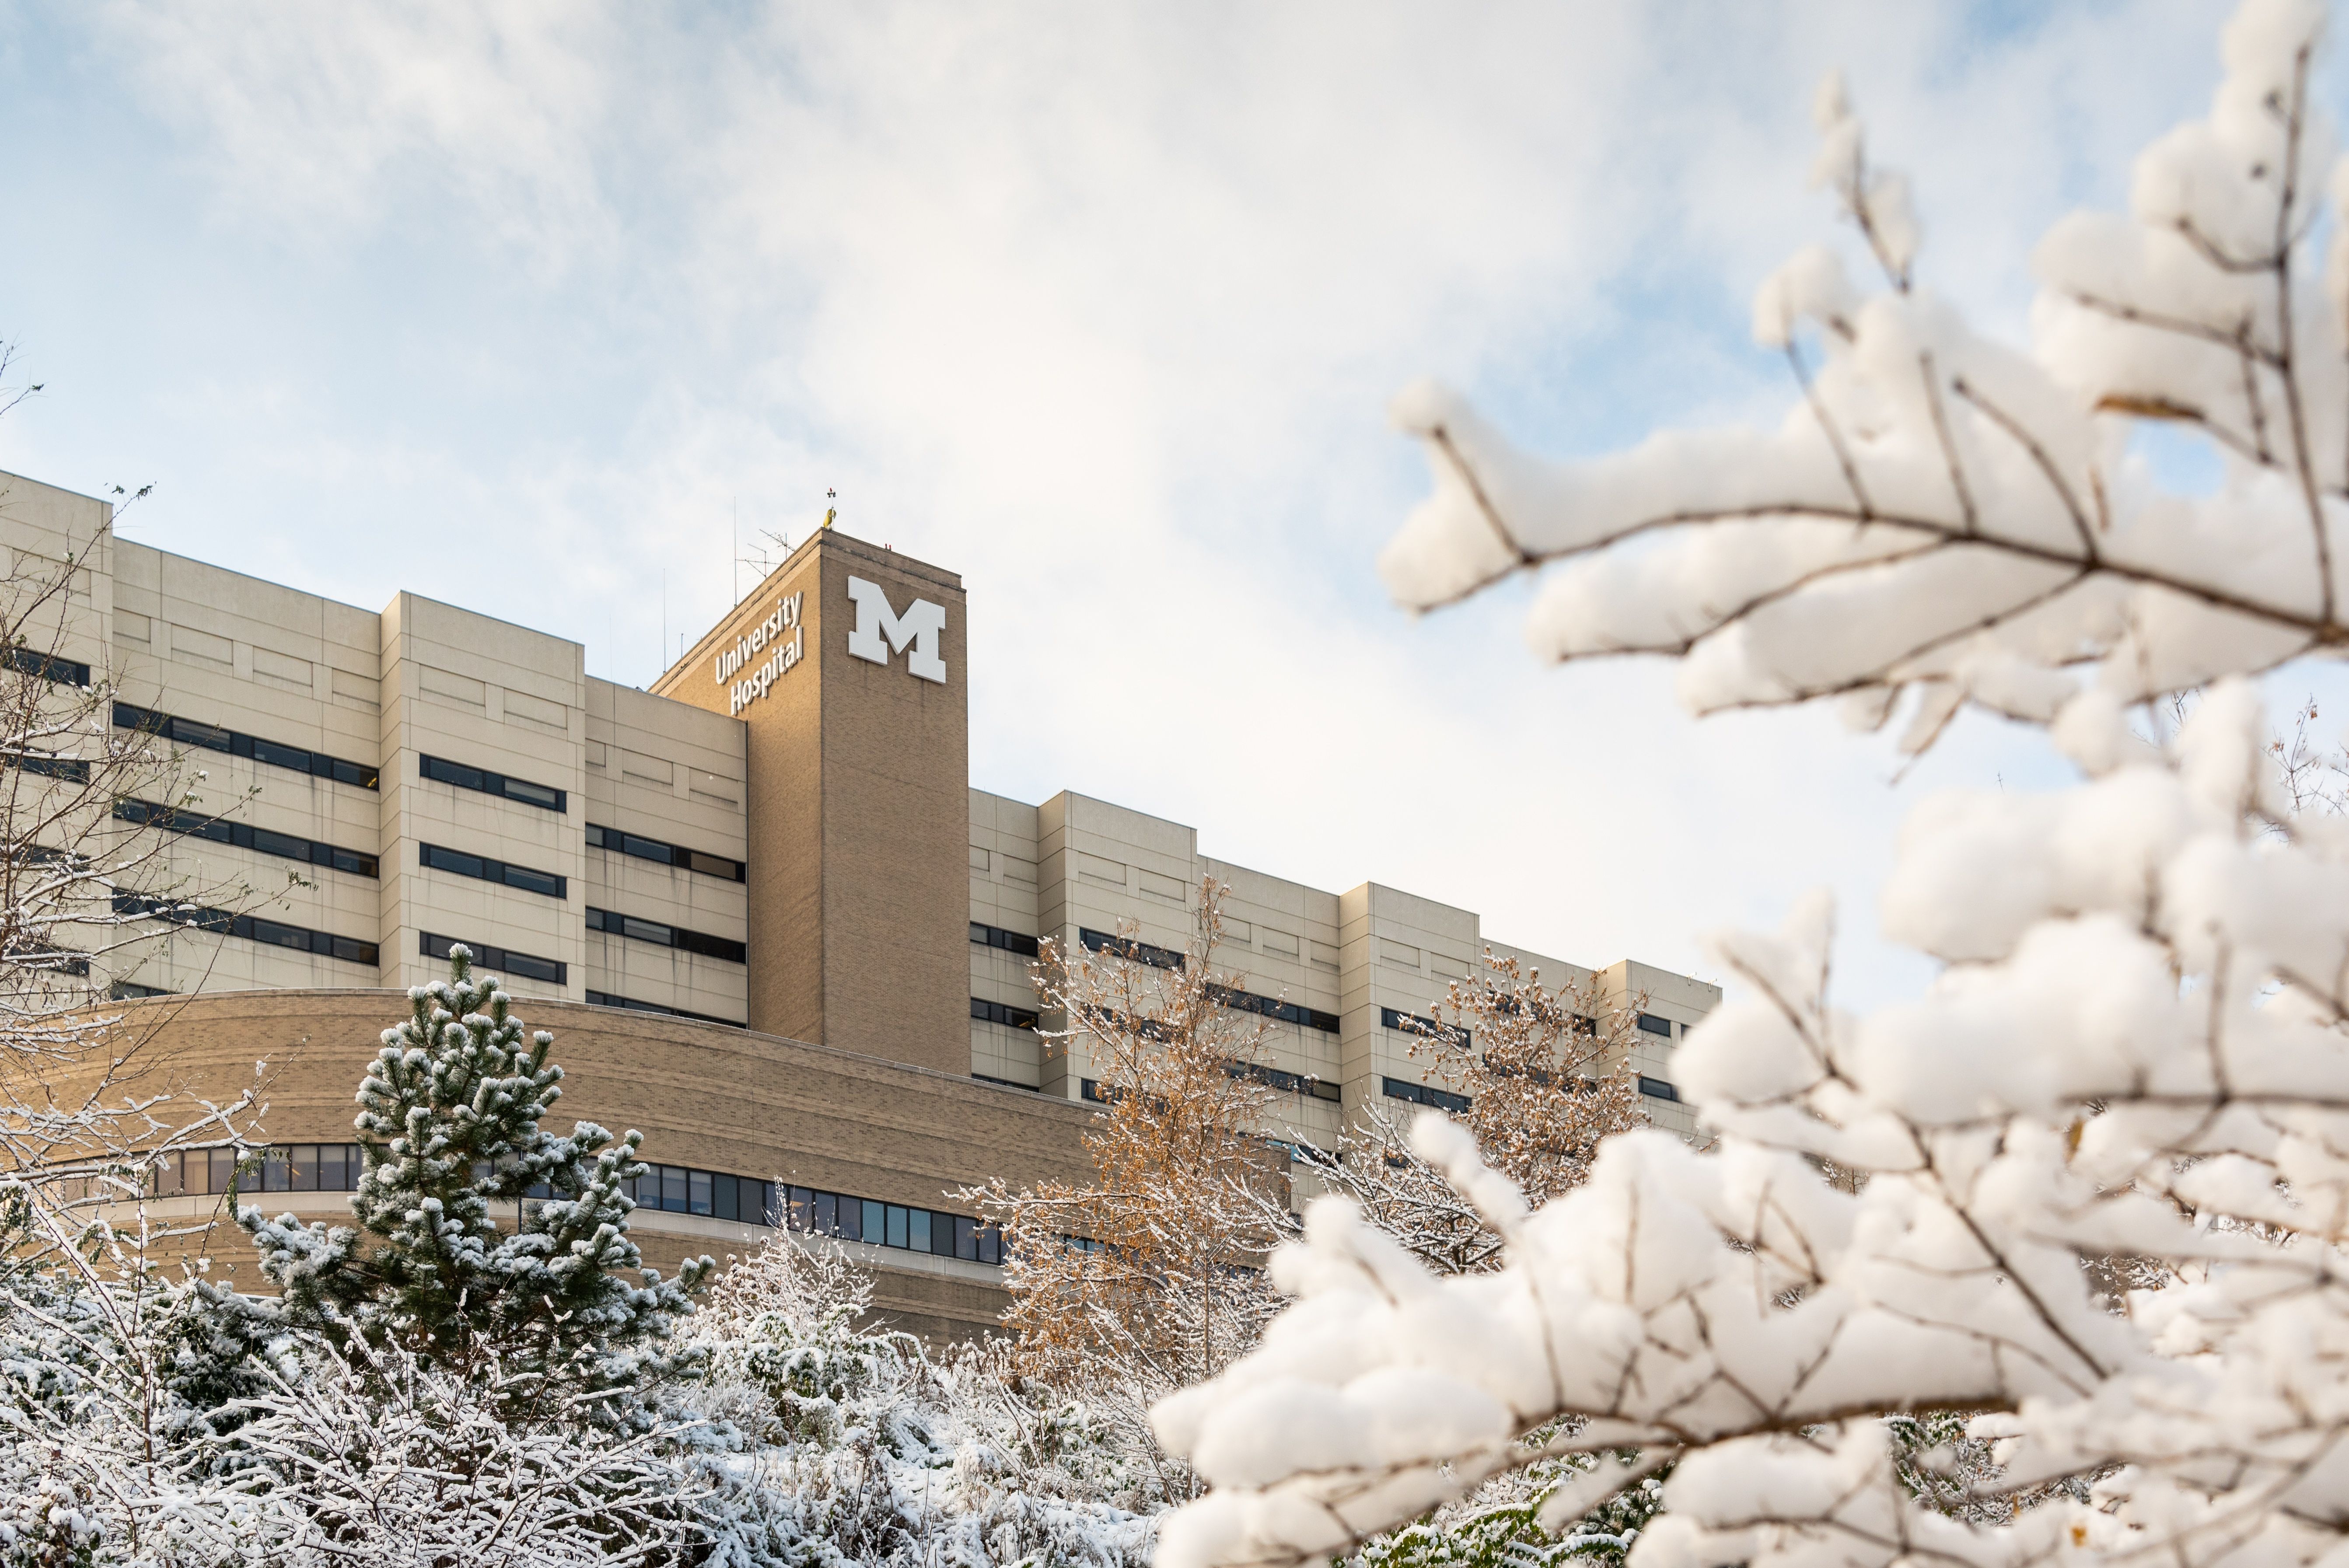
[[2134, 1071], [1942, 512]]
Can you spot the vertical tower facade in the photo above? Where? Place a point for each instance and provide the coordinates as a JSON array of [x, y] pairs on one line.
[[847, 669]]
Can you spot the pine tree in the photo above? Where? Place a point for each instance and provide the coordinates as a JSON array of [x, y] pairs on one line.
[[449, 1124]]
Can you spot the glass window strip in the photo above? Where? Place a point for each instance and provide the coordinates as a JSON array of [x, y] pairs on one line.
[[488, 781], [481, 868], [504, 960], [660, 933], [620, 842], [606, 999], [244, 836], [248, 928], [236, 743]]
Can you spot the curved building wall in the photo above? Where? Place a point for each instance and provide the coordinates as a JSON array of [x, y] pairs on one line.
[[705, 1096]]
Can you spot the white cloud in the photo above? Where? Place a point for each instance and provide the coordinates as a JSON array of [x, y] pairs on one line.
[[1098, 306]]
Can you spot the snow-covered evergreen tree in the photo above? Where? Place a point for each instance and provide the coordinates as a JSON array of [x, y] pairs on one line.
[[449, 1124]]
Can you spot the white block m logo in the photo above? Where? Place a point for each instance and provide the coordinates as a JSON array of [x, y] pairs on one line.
[[880, 630]]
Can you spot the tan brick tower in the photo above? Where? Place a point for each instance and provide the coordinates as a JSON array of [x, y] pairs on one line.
[[847, 666]]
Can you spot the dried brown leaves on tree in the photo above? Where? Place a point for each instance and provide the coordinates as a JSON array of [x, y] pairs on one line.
[[1546, 1074], [1149, 1275]]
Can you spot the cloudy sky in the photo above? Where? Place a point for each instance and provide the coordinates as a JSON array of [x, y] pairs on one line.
[[521, 306]]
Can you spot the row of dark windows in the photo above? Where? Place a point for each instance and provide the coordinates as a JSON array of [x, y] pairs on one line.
[[1126, 947], [876, 1223], [644, 848], [605, 999], [1423, 1094], [1006, 1083], [503, 960], [1657, 1088], [661, 934], [75, 769], [1654, 1024], [236, 743], [669, 1189], [244, 836], [1009, 941], [505, 786], [999, 1013], [1412, 1024], [48, 667], [1273, 1008], [1287, 1082], [505, 873], [251, 928]]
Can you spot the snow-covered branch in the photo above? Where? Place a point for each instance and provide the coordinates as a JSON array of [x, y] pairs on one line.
[[2093, 1187]]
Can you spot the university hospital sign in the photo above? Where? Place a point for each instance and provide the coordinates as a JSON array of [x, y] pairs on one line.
[[879, 631]]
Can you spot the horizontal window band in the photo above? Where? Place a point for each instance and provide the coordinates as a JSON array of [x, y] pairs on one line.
[[1423, 1094], [662, 934], [1001, 1013], [505, 874], [605, 999], [505, 786], [1404, 1023], [620, 842], [1657, 1088], [249, 928], [47, 667], [1654, 1024], [236, 743], [1286, 1081], [1127, 948], [73, 770], [1009, 941], [1006, 1083], [244, 836], [1273, 1008], [503, 960]]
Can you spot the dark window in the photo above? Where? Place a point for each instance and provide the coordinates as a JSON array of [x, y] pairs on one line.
[[220, 830], [999, 1013], [188, 732], [1273, 1008], [726, 1197], [486, 869], [504, 960], [75, 769], [1128, 948], [1423, 1094], [489, 783], [247, 927], [48, 667], [605, 999], [1009, 941], [622, 843], [130, 991], [1005, 1083], [1425, 1028], [1650, 1024], [1657, 1088], [664, 935]]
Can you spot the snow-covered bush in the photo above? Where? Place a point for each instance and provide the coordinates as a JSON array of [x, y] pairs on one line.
[[827, 1442], [2140, 1047]]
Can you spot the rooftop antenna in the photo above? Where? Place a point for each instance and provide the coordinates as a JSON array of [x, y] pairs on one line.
[[831, 511]]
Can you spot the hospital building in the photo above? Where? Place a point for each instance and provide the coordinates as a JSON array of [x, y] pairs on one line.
[[770, 919]]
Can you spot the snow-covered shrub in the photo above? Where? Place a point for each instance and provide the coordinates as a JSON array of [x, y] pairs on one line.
[[2138, 1050], [825, 1441]]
